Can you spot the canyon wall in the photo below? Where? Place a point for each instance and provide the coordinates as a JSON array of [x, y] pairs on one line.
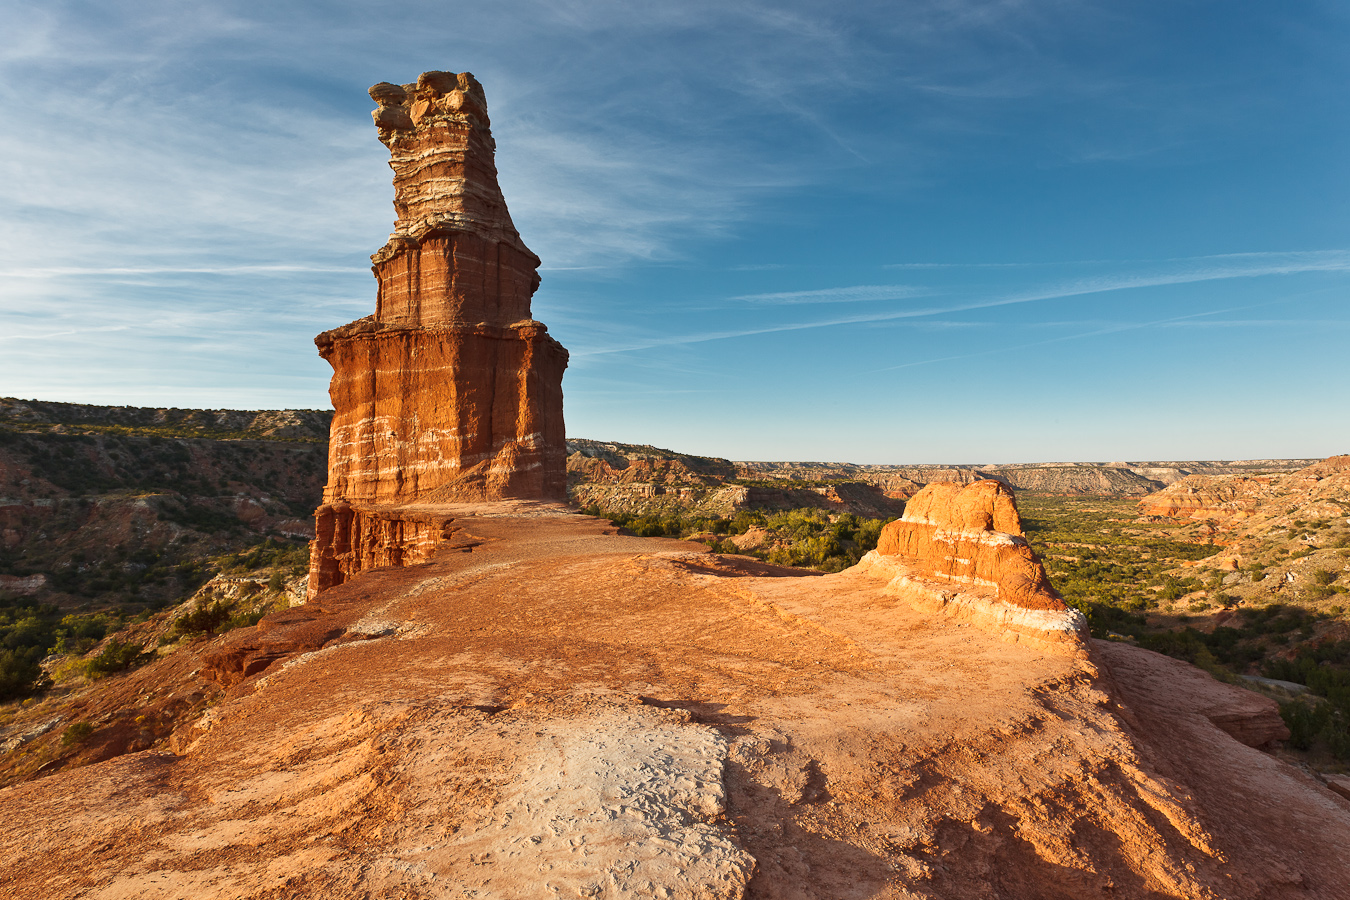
[[450, 392], [959, 550], [1239, 509]]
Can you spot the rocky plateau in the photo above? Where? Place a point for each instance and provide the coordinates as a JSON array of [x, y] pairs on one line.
[[552, 709]]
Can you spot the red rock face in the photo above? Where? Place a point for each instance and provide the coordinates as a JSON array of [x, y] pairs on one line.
[[1236, 505], [451, 392], [445, 415], [351, 540], [970, 535]]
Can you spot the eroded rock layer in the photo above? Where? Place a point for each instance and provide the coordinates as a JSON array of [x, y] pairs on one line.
[[959, 549], [571, 712], [445, 414], [1232, 504], [450, 392]]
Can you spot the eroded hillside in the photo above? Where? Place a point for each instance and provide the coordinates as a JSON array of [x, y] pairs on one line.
[[644, 717], [105, 522]]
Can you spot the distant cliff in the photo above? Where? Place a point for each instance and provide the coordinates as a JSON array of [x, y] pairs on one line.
[[267, 424], [645, 480]]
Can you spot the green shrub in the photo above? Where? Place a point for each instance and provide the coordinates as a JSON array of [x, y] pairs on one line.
[[78, 634], [806, 538], [116, 656], [1319, 592], [76, 733], [1317, 725], [20, 671], [204, 619], [1324, 577]]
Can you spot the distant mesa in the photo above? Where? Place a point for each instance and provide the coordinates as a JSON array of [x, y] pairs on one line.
[[959, 551], [451, 392]]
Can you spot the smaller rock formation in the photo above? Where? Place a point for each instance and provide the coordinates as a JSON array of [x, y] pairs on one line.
[[959, 550]]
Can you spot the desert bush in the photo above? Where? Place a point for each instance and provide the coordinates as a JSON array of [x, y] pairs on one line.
[[271, 553], [1317, 726], [30, 631], [804, 538], [20, 671], [76, 733], [1324, 576], [78, 634], [1322, 723], [116, 656], [206, 618]]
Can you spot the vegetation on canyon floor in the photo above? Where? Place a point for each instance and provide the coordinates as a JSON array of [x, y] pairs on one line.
[[1135, 582], [807, 538], [85, 464], [32, 631], [100, 531]]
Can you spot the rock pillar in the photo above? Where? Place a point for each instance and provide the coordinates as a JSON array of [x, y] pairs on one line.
[[450, 392]]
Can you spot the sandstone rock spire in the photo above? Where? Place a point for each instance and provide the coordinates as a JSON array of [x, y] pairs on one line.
[[450, 392]]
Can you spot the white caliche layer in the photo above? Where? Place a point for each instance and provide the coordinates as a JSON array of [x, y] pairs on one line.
[[1063, 631]]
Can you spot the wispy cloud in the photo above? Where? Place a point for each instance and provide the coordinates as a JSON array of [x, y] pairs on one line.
[[1251, 265], [1296, 324], [861, 293], [1195, 269], [1285, 261], [1083, 335]]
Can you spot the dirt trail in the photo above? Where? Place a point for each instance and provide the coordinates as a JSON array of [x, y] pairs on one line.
[[566, 712]]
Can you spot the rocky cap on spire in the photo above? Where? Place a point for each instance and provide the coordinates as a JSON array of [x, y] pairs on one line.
[[441, 150]]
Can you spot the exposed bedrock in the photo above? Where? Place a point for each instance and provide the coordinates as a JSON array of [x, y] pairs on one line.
[[959, 550], [450, 392], [1234, 506], [446, 415], [350, 540]]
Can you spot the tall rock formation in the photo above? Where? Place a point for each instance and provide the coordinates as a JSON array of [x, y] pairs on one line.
[[959, 550], [450, 392]]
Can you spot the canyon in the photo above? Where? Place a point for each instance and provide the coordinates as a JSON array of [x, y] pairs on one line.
[[640, 479], [1230, 503], [485, 693]]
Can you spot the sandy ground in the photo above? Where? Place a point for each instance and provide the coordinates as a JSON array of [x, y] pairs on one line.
[[559, 711]]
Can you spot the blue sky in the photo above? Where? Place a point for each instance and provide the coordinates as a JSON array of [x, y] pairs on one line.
[[931, 231]]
